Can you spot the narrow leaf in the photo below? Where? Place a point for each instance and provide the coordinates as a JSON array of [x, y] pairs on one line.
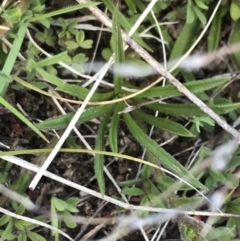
[[68, 220], [133, 191], [117, 48], [196, 86], [63, 120], [185, 39], [164, 157], [81, 92], [9, 63], [164, 124], [62, 11], [52, 60], [215, 29], [35, 236], [113, 130], [125, 24], [191, 109], [99, 159], [59, 204], [50, 78]]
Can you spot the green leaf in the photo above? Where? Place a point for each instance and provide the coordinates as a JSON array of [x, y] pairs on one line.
[[152, 190], [5, 81], [63, 120], [59, 204], [188, 234], [131, 6], [215, 29], [21, 117], [195, 86], [22, 183], [35, 236], [199, 122], [217, 176], [185, 40], [144, 202], [164, 157], [117, 48], [200, 15], [12, 15], [146, 171], [79, 58], [125, 24], [10, 62], [52, 60], [182, 201], [68, 220], [99, 159], [113, 129], [50, 78], [190, 14], [233, 222], [81, 92], [87, 44], [163, 123], [71, 44], [130, 182], [20, 210], [221, 233], [201, 4], [80, 36], [234, 11], [234, 39], [4, 219], [54, 217], [73, 201], [19, 225], [72, 209], [7, 234], [133, 191], [29, 225], [191, 109], [62, 11], [22, 236], [153, 200]]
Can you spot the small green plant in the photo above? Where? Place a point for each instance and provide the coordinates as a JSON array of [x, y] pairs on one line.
[[19, 230], [59, 206], [197, 8]]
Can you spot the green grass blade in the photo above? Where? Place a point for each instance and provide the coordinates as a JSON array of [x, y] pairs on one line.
[[7, 68], [117, 45], [81, 92], [234, 39], [50, 78], [164, 157], [215, 29], [99, 159], [52, 60], [185, 40], [63, 120], [163, 124], [5, 81], [113, 129], [22, 118], [125, 24], [196, 86], [62, 11], [187, 110]]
